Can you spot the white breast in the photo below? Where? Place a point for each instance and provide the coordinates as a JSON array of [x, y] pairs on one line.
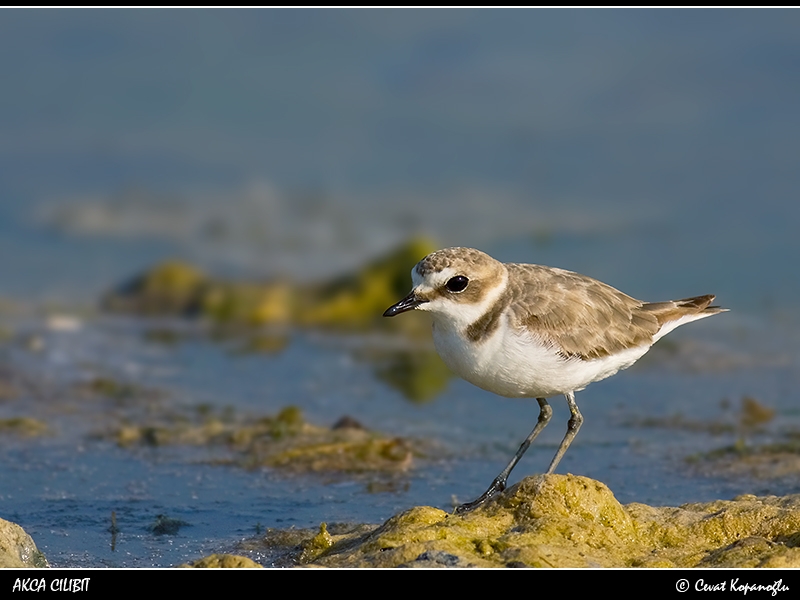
[[517, 363]]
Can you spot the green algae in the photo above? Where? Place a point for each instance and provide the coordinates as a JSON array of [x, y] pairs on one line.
[[172, 287], [352, 300], [357, 298], [750, 417], [135, 416], [419, 374], [248, 304], [294, 546], [113, 388], [223, 561], [24, 426], [17, 548], [165, 525], [284, 441], [759, 461], [317, 545], [742, 458]]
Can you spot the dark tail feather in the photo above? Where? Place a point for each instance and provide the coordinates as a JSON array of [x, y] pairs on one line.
[[675, 309]]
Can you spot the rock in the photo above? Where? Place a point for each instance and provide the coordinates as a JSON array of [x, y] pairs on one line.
[[17, 549], [351, 300], [573, 521], [223, 561]]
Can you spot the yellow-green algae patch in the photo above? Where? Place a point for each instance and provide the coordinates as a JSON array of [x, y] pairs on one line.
[[352, 300], [136, 416], [743, 458], [359, 297], [17, 548], [172, 287], [750, 418], [418, 373], [223, 561], [25, 426], [571, 521], [284, 441], [763, 461]]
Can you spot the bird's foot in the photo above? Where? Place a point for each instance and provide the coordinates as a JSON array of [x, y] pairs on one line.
[[498, 485]]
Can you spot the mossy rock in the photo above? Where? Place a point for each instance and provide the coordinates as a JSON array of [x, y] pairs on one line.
[[571, 521], [24, 426], [223, 561], [351, 300], [170, 288], [360, 297], [284, 441], [17, 548]]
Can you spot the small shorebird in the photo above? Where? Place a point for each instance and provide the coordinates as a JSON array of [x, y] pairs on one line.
[[530, 331]]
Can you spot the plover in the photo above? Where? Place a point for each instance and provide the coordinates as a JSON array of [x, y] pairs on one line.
[[530, 331]]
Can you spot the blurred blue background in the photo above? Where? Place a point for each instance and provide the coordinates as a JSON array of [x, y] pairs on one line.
[[656, 150], [303, 140]]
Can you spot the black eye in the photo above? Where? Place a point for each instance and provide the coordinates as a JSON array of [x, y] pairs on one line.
[[457, 283]]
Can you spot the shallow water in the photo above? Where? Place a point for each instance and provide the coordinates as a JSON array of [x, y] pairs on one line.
[[654, 150], [63, 487]]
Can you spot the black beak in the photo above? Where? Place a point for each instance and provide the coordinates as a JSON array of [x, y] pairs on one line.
[[410, 302]]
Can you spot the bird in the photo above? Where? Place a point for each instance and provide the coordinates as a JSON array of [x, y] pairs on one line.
[[532, 331]]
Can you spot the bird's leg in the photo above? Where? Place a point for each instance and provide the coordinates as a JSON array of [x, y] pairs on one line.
[[499, 483], [573, 425]]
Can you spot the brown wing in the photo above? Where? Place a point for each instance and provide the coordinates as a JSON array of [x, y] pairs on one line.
[[580, 316]]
